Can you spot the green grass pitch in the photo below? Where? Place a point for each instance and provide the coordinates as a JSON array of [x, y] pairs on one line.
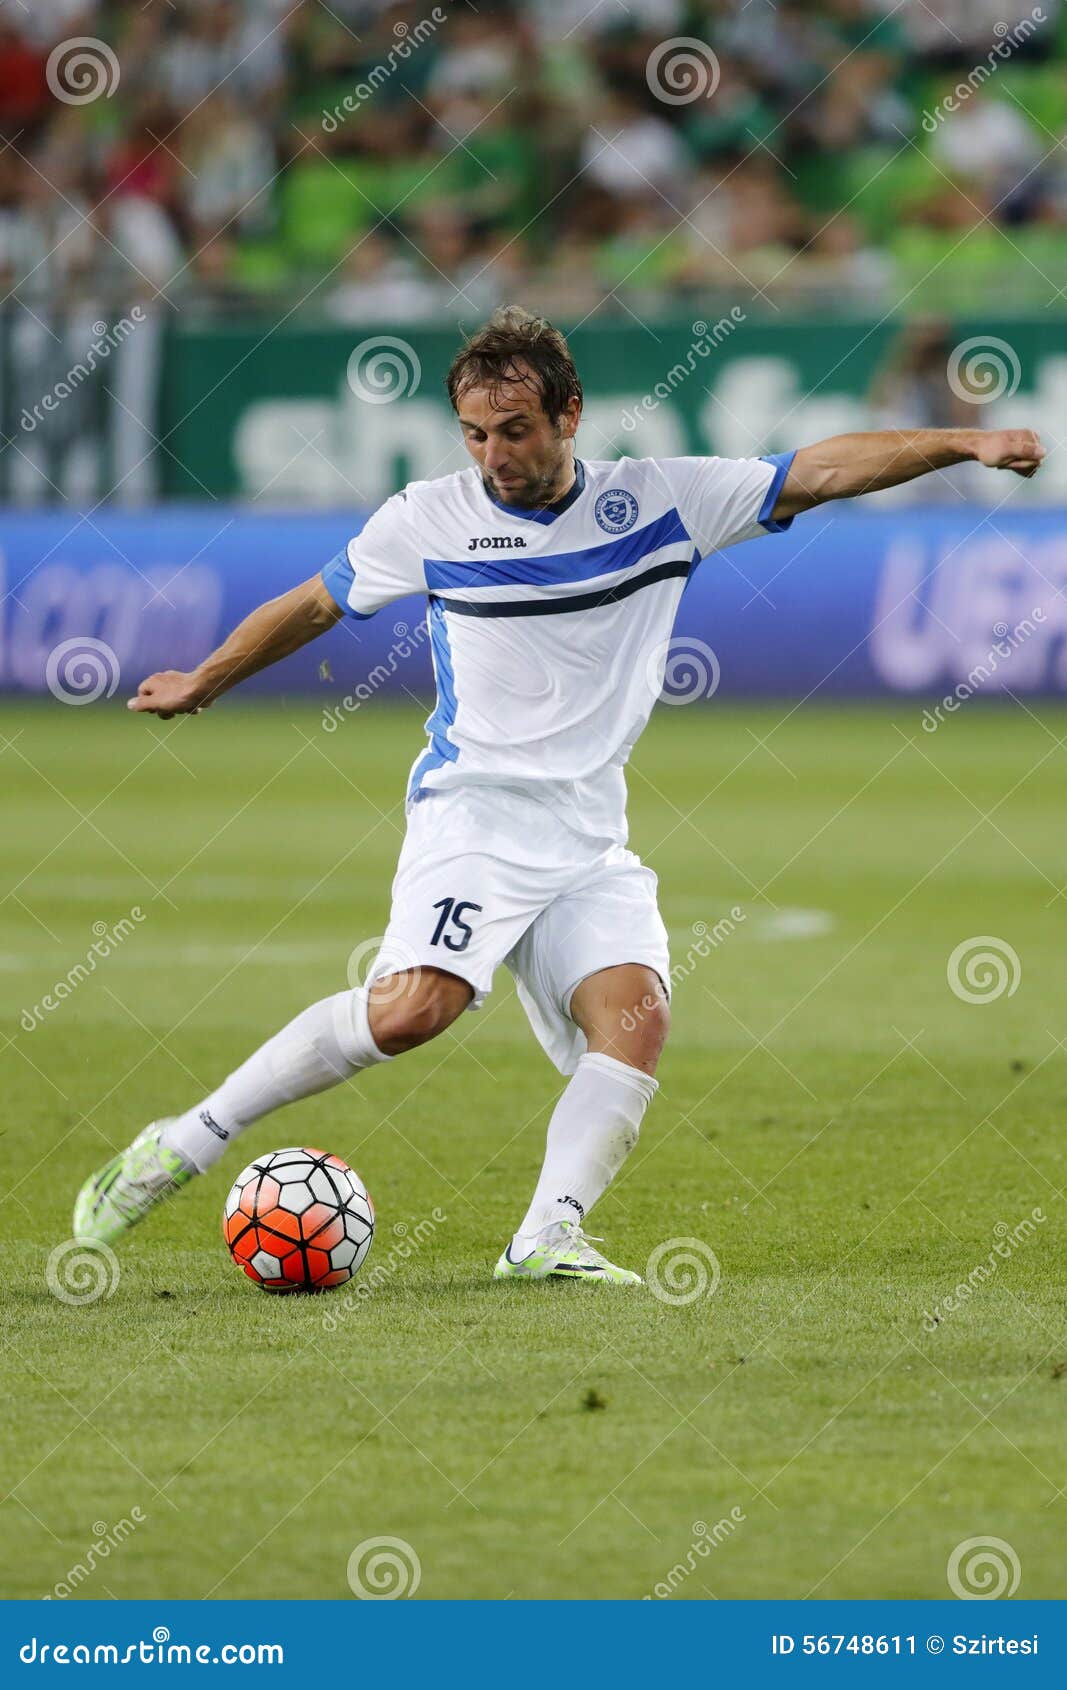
[[849, 1137]]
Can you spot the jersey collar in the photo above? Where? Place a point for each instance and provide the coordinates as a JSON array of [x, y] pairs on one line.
[[546, 513]]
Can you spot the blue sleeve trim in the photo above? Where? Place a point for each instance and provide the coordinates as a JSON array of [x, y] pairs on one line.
[[338, 576], [782, 462]]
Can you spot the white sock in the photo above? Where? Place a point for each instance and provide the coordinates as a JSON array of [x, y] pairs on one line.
[[594, 1127], [323, 1046]]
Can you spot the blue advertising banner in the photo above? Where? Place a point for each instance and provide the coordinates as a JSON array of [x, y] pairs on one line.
[[701, 1643], [932, 602]]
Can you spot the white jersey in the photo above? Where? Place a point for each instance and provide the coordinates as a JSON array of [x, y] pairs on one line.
[[549, 628]]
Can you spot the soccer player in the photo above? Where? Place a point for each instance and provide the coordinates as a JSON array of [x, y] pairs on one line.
[[552, 586]]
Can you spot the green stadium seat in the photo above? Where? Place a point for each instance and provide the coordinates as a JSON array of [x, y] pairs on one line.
[[320, 211], [1038, 90], [943, 271], [262, 265], [878, 184]]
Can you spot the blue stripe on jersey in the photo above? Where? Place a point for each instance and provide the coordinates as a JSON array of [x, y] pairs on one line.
[[620, 553], [441, 750], [576, 601], [782, 462], [338, 577]]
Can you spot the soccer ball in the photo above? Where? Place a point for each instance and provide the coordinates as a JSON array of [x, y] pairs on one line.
[[299, 1220]]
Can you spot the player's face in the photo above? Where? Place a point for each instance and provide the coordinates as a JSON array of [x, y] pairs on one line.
[[524, 458]]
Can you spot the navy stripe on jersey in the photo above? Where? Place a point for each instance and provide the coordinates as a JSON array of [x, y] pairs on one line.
[[577, 601], [558, 567]]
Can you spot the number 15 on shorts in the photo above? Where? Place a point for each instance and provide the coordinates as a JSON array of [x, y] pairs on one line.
[[453, 930]]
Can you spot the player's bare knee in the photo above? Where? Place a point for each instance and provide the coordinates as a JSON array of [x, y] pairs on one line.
[[634, 1033], [642, 1034], [407, 1010], [624, 1012]]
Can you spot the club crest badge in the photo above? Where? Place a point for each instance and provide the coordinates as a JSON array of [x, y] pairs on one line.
[[616, 511]]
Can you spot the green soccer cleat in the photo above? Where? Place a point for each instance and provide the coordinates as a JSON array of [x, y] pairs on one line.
[[563, 1251], [121, 1193]]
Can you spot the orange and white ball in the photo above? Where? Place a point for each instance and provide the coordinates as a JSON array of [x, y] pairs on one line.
[[299, 1220]]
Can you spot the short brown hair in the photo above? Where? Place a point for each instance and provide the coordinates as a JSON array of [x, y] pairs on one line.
[[513, 335]]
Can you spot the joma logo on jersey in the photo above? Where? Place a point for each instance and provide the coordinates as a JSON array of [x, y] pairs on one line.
[[509, 541]]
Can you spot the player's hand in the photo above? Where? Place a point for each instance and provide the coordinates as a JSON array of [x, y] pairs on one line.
[[170, 693], [1017, 449]]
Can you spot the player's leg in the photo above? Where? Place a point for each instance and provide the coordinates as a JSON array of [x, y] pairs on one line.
[[325, 1044], [459, 904], [607, 1032]]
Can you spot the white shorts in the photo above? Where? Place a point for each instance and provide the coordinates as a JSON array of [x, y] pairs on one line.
[[489, 874]]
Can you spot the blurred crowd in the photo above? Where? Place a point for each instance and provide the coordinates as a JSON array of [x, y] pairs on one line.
[[377, 161]]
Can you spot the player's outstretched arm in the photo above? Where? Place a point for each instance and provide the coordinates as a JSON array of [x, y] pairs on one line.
[[849, 464], [279, 627]]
